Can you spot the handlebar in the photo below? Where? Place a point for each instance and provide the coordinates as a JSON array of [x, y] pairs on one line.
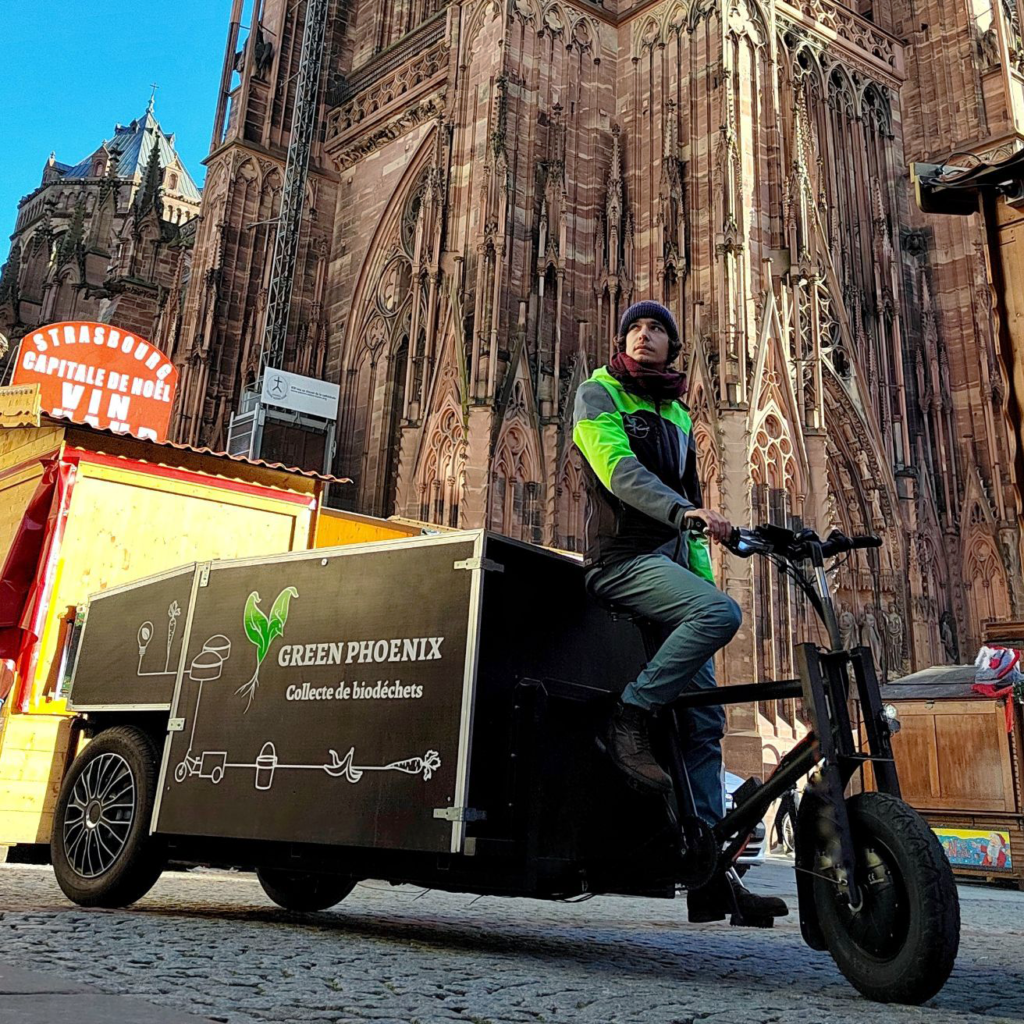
[[793, 546]]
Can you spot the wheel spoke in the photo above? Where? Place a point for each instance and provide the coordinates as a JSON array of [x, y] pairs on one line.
[[116, 777], [72, 848], [111, 855]]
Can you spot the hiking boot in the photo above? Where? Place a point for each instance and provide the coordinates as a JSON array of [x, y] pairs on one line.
[[726, 894], [627, 742]]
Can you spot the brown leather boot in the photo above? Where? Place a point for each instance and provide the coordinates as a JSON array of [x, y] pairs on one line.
[[726, 896], [628, 744]]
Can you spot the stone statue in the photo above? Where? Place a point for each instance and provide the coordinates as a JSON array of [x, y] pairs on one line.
[[894, 641], [877, 517], [947, 630], [872, 638], [848, 628]]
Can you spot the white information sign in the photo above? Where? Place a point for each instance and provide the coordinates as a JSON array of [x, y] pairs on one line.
[[301, 394]]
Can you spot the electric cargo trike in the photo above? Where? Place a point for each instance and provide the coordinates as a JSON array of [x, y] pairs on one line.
[[424, 711]]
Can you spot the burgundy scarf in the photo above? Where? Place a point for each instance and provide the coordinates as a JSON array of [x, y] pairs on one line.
[[657, 385]]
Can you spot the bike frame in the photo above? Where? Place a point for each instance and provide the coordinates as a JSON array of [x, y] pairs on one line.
[[824, 686]]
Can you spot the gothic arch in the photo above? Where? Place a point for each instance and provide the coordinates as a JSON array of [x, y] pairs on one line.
[[647, 35], [441, 476], [37, 265], [874, 104], [774, 421], [675, 21], [516, 503], [700, 10], [984, 577], [386, 244], [482, 12], [585, 38], [756, 18], [571, 502], [861, 447]]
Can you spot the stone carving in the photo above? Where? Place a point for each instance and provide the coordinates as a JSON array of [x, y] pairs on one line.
[[947, 631], [871, 637], [848, 629], [583, 35], [554, 21], [361, 145], [388, 90], [867, 48], [894, 641]]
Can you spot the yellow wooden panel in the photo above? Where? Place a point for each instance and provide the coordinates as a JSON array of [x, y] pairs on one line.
[[20, 405], [134, 525], [35, 732], [25, 827], [22, 443], [334, 528], [28, 796], [32, 763], [26, 765], [15, 493]]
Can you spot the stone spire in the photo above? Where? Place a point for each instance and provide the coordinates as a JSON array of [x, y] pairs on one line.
[[148, 196]]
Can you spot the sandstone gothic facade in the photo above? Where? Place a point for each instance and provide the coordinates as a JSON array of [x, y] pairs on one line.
[[495, 182], [107, 239]]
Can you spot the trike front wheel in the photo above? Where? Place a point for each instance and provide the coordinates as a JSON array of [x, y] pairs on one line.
[[899, 944]]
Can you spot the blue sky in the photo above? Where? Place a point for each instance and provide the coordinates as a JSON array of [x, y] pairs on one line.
[[71, 70]]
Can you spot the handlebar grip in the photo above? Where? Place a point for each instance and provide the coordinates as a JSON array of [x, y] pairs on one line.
[[865, 542], [698, 526]]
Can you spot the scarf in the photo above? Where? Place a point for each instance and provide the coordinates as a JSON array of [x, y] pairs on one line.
[[657, 385]]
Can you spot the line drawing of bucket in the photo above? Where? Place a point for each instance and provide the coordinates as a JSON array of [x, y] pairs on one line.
[[266, 763]]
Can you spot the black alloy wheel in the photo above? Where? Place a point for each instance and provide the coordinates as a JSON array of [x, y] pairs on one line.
[[101, 849]]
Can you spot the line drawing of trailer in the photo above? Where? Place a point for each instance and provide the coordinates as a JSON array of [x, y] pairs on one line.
[[206, 667]]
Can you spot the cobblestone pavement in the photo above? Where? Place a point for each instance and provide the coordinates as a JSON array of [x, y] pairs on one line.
[[211, 943]]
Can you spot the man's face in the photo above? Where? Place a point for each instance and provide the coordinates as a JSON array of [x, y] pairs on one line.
[[647, 343]]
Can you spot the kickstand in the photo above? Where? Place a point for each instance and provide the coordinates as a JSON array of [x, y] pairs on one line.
[[737, 918]]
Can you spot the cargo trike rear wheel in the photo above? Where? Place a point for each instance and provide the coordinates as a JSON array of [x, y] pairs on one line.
[[899, 943], [101, 849], [304, 890]]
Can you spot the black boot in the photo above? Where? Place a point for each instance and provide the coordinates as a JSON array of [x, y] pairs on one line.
[[626, 741], [726, 895]]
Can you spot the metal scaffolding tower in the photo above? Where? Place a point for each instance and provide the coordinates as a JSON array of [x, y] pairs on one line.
[[286, 242], [264, 419]]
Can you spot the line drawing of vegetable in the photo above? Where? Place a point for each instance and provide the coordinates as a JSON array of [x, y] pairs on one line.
[[262, 631], [339, 767], [172, 623]]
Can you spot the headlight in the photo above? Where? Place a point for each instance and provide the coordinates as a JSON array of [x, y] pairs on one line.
[[892, 717]]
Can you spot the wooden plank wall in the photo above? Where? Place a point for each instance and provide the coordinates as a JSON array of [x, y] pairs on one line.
[[35, 755]]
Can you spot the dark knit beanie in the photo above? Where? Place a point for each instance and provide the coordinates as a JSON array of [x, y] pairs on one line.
[[651, 310]]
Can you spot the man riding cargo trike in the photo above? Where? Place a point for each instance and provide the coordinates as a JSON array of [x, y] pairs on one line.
[[454, 711]]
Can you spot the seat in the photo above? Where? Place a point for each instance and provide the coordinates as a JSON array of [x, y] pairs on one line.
[[651, 632]]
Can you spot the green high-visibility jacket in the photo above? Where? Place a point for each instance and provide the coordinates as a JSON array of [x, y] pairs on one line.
[[642, 472]]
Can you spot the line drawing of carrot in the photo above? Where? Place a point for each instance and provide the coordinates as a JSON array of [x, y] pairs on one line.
[[262, 630], [172, 624]]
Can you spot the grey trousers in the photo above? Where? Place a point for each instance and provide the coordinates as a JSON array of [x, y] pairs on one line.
[[699, 620]]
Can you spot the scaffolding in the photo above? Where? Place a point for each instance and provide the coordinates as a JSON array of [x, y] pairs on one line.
[[246, 434]]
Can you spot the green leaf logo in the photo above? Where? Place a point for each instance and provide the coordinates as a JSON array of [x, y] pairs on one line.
[[262, 632]]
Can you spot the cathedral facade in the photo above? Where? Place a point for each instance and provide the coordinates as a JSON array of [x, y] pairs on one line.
[[496, 181], [108, 238]]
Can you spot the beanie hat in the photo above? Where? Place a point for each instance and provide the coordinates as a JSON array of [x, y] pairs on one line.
[[648, 309]]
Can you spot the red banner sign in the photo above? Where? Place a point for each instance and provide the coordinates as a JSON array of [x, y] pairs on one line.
[[100, 375]]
